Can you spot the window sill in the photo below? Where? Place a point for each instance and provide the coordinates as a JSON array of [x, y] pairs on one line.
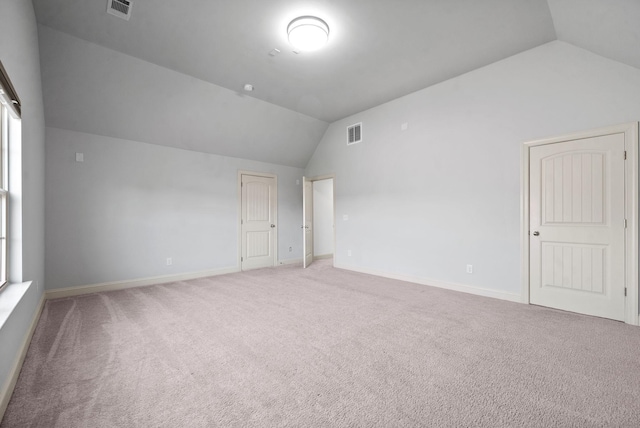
[[10, 297]]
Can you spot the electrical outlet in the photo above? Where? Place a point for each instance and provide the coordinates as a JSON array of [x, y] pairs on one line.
[[169, 261], [290, 249], [469, 268]]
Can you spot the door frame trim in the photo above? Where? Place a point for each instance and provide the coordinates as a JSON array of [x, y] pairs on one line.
[[320, 178], [242, 172], [630, 131], [305, 201]]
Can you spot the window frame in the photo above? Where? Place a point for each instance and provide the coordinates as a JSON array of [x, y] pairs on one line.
[[4, 192], [10, 112]]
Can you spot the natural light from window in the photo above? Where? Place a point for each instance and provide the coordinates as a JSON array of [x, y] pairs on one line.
[[9, 124]]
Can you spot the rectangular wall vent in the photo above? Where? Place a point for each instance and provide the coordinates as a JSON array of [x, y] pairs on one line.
[[119, 8], [354, 133]]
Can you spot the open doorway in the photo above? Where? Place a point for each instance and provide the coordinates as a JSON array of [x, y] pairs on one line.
[[323, 219], [318, 219]]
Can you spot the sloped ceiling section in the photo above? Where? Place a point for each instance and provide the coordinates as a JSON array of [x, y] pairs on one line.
[[610, 28], [378, 50], [173, 74], [93, 89]]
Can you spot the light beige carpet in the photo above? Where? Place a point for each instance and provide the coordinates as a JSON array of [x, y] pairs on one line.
[[321, 348]]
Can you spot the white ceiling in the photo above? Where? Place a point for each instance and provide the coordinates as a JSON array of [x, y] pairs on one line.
[[610, 28], [379, 50]]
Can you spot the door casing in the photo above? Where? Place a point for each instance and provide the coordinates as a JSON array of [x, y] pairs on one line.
[[319, 178], [307, 222], [630, 131]]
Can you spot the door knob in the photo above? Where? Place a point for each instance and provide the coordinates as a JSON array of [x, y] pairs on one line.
[[536, 233], [273, 225]]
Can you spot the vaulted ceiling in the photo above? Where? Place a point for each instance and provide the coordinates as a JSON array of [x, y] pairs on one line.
[[378, 49]]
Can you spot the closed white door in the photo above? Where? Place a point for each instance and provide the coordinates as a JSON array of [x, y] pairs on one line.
[[258, 222], [307, 221], [577, 226]]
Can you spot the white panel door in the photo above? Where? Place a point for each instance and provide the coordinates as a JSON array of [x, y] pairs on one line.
[[307, 221], [258, 221], [577, 226]]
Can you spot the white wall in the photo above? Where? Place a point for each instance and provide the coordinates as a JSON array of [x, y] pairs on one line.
[[323, 217], [19, 54], [445, 193], [119, 214]]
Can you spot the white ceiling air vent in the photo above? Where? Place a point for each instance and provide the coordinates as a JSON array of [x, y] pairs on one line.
[[354, 133], [119, 8]]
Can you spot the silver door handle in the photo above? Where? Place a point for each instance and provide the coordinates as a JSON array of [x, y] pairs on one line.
[[536, 233], [273, 225]]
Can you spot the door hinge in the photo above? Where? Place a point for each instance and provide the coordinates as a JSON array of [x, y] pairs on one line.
[[241, 221], [625, 291], [242, 259], [625, 155], [625, 223]]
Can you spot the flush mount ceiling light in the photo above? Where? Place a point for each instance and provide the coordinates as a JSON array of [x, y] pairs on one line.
[[308, 33]]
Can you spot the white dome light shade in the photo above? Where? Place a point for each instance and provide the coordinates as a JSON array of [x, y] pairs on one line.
[[308, 33]]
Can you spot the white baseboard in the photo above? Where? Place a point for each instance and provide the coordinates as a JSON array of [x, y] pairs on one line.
[[289, 262], [10, 383], [141, 282], [496, 294], [299, 261]]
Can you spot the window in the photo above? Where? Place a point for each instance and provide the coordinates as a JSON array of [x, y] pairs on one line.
[[9, 124], [4, 132]]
